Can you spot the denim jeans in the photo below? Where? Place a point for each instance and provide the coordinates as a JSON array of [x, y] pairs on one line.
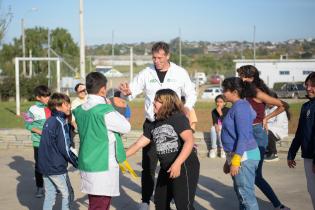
[[260, 135], [62, 183], [244, 185], [215, 138], [262, 141]]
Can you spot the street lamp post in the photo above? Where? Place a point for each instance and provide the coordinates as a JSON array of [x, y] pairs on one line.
[[23, 37], [82, 45], [23, 46]]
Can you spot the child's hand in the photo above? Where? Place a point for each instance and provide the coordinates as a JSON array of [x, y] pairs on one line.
[[174, 170], [226, 168], [234, 170]]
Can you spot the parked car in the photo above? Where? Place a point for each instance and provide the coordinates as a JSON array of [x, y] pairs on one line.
[[290, 90], [200, 78], [216, 79], [211, 93]]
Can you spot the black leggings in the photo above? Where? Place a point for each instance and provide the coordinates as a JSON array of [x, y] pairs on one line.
[[38, 176], [182, 188]]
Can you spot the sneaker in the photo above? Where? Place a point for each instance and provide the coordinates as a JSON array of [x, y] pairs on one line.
[[172, 205], [40, 192], [282, 207], [212, 153], [143, 206], [271, 157], [221, 153]]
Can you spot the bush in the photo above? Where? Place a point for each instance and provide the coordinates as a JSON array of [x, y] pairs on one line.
[[27, 85]]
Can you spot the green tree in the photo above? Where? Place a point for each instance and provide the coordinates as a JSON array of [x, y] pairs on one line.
[[5, 19]]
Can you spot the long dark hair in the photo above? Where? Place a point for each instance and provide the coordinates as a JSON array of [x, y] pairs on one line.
[[250, 71]]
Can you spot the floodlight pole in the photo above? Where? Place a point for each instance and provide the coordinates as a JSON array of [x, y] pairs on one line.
[[17, 87], [131, 63], [82, 45]]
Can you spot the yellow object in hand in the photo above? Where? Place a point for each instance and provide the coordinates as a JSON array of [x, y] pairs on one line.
[[125, 166]]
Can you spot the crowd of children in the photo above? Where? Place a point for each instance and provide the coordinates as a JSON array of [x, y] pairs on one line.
[[239, 134]]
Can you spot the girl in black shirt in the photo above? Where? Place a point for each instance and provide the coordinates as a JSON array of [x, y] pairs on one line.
[[174, 141]]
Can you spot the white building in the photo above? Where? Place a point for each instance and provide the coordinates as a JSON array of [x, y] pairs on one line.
[[283, 70]]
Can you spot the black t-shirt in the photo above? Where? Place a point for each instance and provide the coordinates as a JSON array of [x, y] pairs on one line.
[[165, 135], [216, 116], [161, 75]]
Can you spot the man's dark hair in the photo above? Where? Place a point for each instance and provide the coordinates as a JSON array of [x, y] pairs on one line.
[[311, 78], [41, 90], [57, 99], [234, 83], [160, 46], [77, 86], [94, 81]]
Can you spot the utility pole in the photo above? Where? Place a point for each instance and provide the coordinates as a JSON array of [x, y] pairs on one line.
[[31, 64], [113, 50], [48, 54], [254, 45], [131, 64], [180, 48], [82, 45], [23, 45], [23, 37]]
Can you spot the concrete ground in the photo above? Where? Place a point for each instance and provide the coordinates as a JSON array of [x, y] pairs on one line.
[[214, 191]]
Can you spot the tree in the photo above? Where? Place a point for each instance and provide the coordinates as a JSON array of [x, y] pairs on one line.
[[5, 19]]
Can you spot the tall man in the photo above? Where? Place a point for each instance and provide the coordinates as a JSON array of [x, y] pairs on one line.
[[161, 75]]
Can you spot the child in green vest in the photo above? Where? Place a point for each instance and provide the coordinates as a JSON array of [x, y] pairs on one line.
[[101, 148], [34, 121]]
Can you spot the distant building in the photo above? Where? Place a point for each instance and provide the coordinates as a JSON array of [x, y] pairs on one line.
[[121, 60], [108, 71], [282, 70]]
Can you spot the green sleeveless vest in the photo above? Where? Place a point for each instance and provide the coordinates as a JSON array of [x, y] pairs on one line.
[[93, 152]]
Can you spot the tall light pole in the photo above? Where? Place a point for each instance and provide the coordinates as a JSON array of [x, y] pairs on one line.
[[180, 48], [254, 42], [23, 46], [131, 64], [113, 52], [33, 9], [48, 52], [82, 45]]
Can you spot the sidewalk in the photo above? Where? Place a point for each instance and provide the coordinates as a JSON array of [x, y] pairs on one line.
[[215, 190]]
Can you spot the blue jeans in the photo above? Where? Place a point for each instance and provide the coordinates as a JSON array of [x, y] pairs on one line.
[[244, 185], [260, 135], [215, 138], [262, 141], [62, 183]]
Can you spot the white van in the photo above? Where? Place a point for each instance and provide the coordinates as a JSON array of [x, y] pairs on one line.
[[200, 78]]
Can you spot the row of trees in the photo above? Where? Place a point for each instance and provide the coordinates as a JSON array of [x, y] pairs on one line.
[[36, 41]]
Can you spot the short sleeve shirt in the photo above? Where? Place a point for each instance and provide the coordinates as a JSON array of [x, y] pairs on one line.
[[165, 134]]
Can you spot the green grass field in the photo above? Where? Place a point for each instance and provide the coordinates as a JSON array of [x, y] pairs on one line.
[[203, 110]]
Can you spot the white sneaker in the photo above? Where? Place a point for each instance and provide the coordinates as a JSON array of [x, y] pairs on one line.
[[221, 153], [212, 153], [143, 206]]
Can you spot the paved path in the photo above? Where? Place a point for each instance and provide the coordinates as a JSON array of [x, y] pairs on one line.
[[214, 189]]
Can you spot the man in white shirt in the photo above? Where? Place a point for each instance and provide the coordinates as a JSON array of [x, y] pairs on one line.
[[161, 75]]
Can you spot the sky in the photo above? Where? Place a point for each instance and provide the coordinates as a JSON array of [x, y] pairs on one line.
[[135, 21]]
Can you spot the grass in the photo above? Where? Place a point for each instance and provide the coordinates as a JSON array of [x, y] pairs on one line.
[[202, 108]]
